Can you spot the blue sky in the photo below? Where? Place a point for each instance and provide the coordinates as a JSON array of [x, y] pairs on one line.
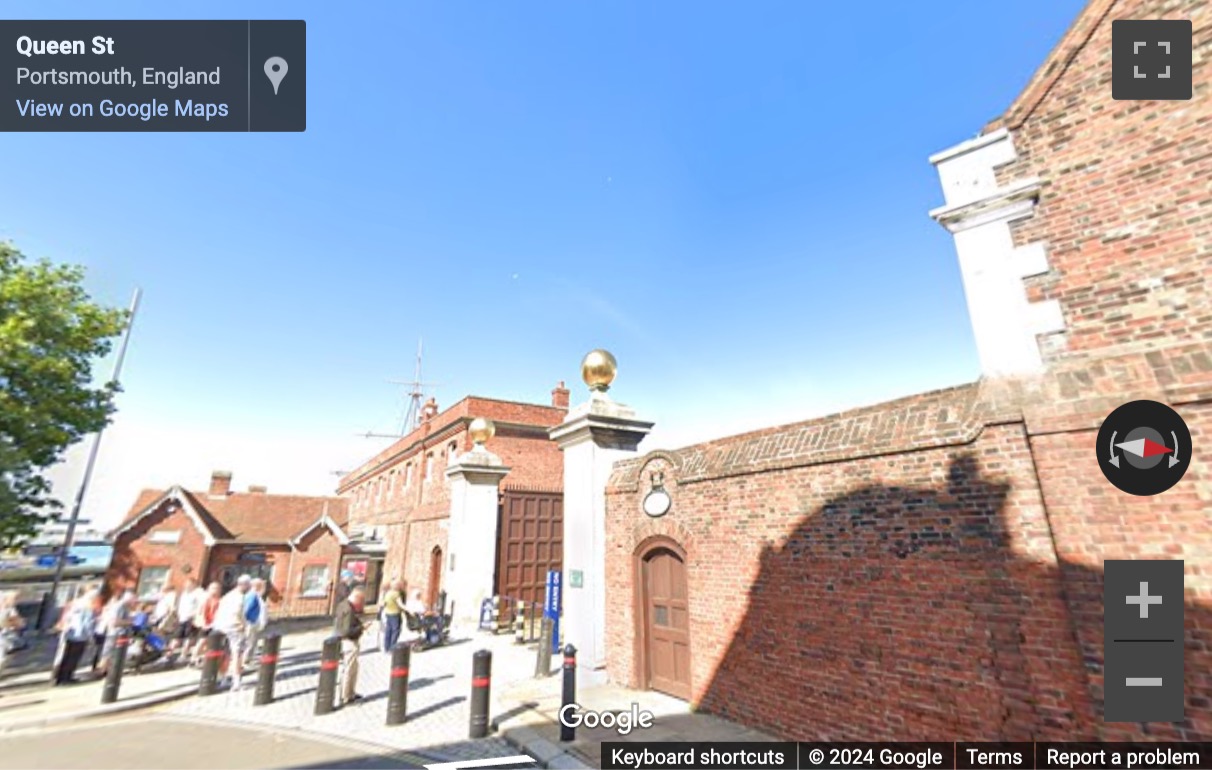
[[732, 197]]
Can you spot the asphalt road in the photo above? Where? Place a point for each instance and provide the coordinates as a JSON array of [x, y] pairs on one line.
[[144, 742]]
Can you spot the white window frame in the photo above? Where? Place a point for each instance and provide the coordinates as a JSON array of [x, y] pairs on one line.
[[315, 593], [165, 536], [143, 593]]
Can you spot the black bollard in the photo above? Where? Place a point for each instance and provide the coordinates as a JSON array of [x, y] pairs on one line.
[[567, 732], [542, 664], [326, 689], [268, 669], [519, 623], [397, 688], [211, 661], [117, 662], [481, 678]]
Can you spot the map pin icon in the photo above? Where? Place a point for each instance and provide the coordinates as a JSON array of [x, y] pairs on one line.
[[275, 70]]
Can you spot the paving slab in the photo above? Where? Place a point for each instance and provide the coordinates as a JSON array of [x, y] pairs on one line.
[[535, 728], [438, 714]]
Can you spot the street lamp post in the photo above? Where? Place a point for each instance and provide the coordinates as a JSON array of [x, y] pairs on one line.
[[49, 601]]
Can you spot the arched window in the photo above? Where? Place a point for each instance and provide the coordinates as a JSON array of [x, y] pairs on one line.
[[428, 466], [452, 451], [408, 475]]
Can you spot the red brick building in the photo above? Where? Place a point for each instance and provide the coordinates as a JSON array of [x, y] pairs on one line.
[[296, 543], [931, 568], [402, 495]]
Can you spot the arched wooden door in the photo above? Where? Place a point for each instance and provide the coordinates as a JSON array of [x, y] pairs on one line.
[[666, 618], [435, 577]]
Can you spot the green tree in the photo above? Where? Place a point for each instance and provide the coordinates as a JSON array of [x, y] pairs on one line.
[[51, 334]]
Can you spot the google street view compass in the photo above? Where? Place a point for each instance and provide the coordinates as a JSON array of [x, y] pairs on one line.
[[1144, 448]]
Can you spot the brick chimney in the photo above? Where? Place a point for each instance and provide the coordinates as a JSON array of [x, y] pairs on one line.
[[559, 396], [220, 484], [430, 410], [257, 490]]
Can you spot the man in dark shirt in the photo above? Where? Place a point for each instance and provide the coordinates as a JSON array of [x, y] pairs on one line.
[[349, 627], [344, 586]]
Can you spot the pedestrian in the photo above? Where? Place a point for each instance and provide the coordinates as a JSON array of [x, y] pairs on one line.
[[11, 624], [100, 629], [256, 612], [231, 619], [349, 627], [118, 621], [416, 610], [214, 594], [392, 614], [77, 628], [164, 615], [344, 586], [189, 609]]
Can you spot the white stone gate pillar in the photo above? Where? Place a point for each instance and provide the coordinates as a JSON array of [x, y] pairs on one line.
[[472, 538], [593, 437]]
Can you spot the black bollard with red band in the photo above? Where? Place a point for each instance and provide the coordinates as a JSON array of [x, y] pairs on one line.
[[267, 669], [117, 662], [481, 678], [212, 661], [330, 662], [567, 732], [397, 688]]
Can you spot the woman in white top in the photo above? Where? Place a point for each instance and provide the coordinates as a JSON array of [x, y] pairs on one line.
[[189, 611]]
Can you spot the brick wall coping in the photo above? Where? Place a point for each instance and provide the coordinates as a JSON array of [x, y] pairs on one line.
[[949, 417], [1076, 395]]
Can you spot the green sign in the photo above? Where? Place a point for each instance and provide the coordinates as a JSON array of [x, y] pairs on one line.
[[576, 578]]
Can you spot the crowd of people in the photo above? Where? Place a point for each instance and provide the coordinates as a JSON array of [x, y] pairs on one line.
[[89, 627], [180, 621]]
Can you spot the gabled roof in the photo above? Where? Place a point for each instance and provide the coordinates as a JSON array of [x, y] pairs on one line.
[[244, 517], [324, 521], [150, 501], [1054, 67]]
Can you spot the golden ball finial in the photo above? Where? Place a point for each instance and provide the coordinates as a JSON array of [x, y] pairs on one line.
[[599, 369], [481, 430]]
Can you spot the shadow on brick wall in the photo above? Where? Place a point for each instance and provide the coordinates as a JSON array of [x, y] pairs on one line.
[[909, 614]]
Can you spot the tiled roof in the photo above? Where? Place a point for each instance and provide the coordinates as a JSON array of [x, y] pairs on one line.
[[252, 517]]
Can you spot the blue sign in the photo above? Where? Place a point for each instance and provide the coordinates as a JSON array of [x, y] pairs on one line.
[[551, 608], [486, 623]]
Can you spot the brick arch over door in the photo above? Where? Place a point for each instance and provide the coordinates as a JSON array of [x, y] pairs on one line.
[[662, 612]]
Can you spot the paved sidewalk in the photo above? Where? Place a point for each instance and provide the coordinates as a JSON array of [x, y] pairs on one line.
[[438, 700], [533, 726], [31, 702], [28, 701]]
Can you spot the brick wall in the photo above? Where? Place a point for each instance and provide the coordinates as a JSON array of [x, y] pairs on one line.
[[319, 547], [133, 551], [1124, 211], [927, 567], [878, 598]]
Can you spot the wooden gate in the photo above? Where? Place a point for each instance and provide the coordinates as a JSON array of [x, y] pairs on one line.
[[530, 542]]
